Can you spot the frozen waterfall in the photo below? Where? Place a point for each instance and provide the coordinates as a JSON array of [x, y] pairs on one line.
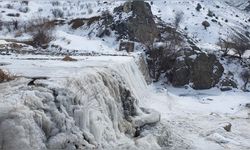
[[96, 107]]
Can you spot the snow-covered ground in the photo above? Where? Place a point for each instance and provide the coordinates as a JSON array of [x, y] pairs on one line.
[[199, 116]]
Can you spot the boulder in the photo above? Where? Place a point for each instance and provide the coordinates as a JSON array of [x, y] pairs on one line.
[[228, 127], [139, 26], [206, 71], [202, 70]]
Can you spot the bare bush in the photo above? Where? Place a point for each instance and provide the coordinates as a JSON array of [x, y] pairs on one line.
[[55, 3], [41, 30], [198, 7], [5, 76], [15, 24], [90, 11], [210, 13], [68, 58], [41, 38], [245, 76], [1, 23], [9, 6], [178, 18], [234, 42], [161, 55], [25, 2], [239, 45], [57, 13], [224, 45]]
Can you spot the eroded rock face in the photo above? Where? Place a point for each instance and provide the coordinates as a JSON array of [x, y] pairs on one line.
[[139, 26], [202, 70]]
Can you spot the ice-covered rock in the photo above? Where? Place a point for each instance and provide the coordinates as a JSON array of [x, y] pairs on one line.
[[97, 108]]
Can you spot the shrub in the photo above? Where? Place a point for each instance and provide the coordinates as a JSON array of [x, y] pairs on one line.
[[210, 13], [198, 7], [25, 2], [55, 3], [57, 13], [41, 38], [206, 24], [9, 6], [178, 19], [239, 44], [234, 42], [1, 23], [68, 58], [15, 24], [224, 45], [13, 15], [5, 76], [90, 11], [41, 31], [24, 9], [40, 9]]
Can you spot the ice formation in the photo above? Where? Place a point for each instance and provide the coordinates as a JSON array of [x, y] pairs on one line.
[[94, 109]]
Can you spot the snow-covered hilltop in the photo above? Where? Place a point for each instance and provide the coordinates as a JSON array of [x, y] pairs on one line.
[[115, 74]]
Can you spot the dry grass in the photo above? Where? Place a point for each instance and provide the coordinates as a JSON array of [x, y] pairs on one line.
[[5, 76], [68, 58]]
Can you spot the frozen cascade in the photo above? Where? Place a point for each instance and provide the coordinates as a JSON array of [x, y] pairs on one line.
[[97, 108]]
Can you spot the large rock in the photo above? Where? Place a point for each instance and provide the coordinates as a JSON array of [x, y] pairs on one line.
[[206, 71], [202, 70], [139, 26]]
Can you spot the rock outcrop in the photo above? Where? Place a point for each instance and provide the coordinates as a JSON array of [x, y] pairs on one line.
[[202, 70], [139, 24]]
